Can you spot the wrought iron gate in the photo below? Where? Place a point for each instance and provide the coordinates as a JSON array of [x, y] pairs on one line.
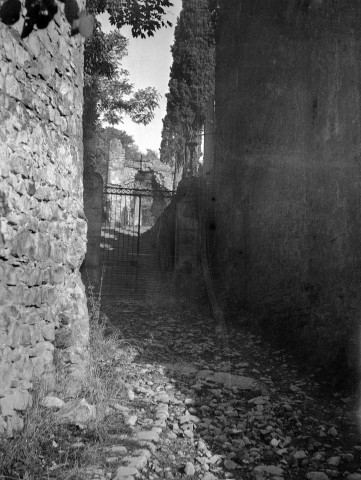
[[128, 253]]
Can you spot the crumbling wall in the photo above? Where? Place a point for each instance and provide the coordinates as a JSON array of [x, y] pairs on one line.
[[42, 230], [287, 168]]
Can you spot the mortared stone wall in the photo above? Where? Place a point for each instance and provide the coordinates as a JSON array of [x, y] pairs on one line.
[[42, 226]]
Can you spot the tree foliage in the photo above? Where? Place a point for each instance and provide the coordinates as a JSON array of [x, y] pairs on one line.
[[132, 151], [191, 81], [144, 16], [108, 92], [39, 13]]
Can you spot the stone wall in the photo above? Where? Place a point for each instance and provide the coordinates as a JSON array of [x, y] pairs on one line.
[[42, 230], [177, 234], [287, 168]]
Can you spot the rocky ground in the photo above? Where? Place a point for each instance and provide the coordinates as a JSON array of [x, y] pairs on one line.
[[205, 409]]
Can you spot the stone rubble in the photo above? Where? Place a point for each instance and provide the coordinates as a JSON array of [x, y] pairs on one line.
[[181, 422], [191, 425], [76, 412]]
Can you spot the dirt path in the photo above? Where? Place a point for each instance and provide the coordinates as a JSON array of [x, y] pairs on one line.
[[240, 410]]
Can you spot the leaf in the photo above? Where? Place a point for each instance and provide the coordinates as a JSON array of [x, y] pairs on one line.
[[28, 27], [71, 11], [10, 12], [43, 20], [52, 7], [33, 8], [86, 24]]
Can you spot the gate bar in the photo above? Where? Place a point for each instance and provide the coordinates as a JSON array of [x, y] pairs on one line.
[[115, 189]]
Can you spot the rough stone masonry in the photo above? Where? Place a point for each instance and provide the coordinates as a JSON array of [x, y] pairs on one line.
[[43, 228]]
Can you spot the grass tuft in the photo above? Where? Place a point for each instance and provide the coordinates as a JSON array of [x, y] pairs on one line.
[[45, 449]]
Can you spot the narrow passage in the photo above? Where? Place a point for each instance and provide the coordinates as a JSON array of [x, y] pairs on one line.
[[239, 411]]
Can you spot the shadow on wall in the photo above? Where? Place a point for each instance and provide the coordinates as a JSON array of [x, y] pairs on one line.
[[287, 166], [177, 235]]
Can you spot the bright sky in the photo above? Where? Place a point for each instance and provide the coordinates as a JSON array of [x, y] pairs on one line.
[[148, 62]]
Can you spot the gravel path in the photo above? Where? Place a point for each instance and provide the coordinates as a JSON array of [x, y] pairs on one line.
[[244, 410]]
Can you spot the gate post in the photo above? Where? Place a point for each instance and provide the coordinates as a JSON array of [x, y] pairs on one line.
[[138, 239]]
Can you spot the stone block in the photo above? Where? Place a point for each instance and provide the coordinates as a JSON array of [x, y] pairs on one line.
[[49, 332], [34, 45], [21, 54], [57, 275], [6, 374], [48, 295], [9, 50], [21, 399], [25, 245], [7, 405], [76, 411], [43, 248], [22, 335], [13, 87], [33, 297], [52, 402]]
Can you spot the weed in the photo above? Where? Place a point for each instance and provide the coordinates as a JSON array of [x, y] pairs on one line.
[[46, 449], [30, 454]]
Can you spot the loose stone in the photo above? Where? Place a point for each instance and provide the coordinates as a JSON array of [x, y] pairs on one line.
[[52, 402], [120, 449], [132, 420], [126, 473], [271, 469], [189, 469], [316, 476], [354, 476], [230, 465], [300, 455], [148, 436]]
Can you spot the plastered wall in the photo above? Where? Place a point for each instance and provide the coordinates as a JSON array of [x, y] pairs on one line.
[[287, 169]]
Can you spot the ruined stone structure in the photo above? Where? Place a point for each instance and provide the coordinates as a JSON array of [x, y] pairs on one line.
[[287, 168], [118, 172], [43, 230]]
